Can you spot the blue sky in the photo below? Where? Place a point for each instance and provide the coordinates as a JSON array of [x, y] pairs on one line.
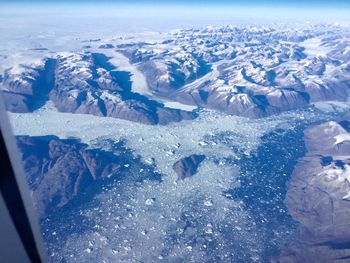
[[292, 3], [174, 12]]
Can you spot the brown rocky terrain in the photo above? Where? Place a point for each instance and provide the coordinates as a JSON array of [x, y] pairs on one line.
[[188, 166], [318, 196]]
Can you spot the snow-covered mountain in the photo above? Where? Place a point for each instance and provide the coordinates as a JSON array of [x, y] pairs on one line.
[[247, 71], [240, 70], [83, 83]]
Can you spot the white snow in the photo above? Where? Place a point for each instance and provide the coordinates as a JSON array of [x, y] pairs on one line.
[[343, 137], [139, 82], [178, 105], [313, 47]]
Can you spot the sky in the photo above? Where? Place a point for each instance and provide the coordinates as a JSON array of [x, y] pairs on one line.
[[292, 3], [162, 14], [73, 18]]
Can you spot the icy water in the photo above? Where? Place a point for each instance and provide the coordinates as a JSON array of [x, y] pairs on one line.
[[263, 178], [232, 210]]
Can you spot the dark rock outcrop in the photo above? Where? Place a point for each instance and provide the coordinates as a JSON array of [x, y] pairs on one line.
[[59, 170], [106, 46], [15, 102], [188, 166]]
